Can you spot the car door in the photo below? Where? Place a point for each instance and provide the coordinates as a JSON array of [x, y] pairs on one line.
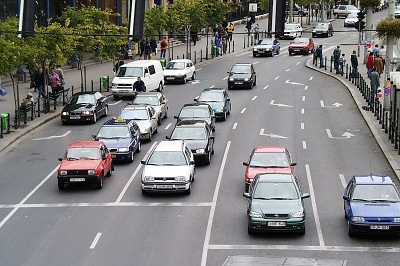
[[100, 103], [153, 118], [189, 156], [253, 73], [135, 136], [348, 192], [105, 159], [227, 100], [163, 105]]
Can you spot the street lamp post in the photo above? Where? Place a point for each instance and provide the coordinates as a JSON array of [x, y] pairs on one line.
[[187, 29]]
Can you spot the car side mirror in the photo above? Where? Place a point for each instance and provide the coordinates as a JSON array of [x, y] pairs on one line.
[[246, 195], [196, 99], [167, 137], [60, 159], [143, 162], [94, 136], [192, 162], [345, 197], [175, 116], [212, 137], [245, 163], [293, 164], [305, 195]]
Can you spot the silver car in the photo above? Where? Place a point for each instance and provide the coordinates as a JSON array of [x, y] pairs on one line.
[[145, 116], [156, 100]]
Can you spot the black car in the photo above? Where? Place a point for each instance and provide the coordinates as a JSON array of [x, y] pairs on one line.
[[199, 137], [242, 75], [85, 106], [197, 111], [323, 29]]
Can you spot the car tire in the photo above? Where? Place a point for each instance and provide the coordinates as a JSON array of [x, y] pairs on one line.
[[188, 191], [144, 192], [250, 231], [302, 232], [159, 121], [184, 81], [208, 159], [278, 51], [254, 55], [224, 117], [255, 81], [150, 137], [307, 52], [350, 231], [111, 170], [99, 184], [156, 130], [61, 185], [160, 87], [116, 97], [313, 36], [131, 159], [106, 111], [94, 118], [230, 109], [63, 122], [139, 148], [194, 76]]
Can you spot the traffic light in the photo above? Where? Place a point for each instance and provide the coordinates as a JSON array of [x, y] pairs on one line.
[[359, 25], [360, 15]]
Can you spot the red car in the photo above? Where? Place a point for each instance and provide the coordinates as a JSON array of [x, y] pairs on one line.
[[301, 46], [268, 159], [85, 162]]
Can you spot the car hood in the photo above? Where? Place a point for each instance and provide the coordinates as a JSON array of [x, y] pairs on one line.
[[143, 124], [276, 206], [79, 164], [78, 107], [351, 19], [263, 46], [240, 76], [375, 209], [297, 45], [174, 72], [117, 142], [320, 30], [195, 144], [251, 172], [215, 105], [166, 170], [208, 120]]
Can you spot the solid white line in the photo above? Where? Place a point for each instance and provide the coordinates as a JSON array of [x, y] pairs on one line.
[[302, 126], [276, 78], [133, 175], [303, 98], [304, 144], [168, 125], [306, 88], [298, 63], [95, 240], [212, 86], [27, 197], [287, 69], [234, 126], [302, 111], [256, 62], [255, 97], [225, 78], [314, 206], [212, 211], [243, 110], [311, 78], [115, 103], [265, 87], [343, 180]]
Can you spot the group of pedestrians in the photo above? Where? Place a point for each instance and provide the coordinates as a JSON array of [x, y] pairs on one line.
[[55, 79]]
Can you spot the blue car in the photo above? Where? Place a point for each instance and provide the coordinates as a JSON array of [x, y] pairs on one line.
[[372, 205], [219, 101], [122, 138]]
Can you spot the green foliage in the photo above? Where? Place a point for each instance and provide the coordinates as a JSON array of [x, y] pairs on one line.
[[155, 20], [369, 3], [263, 5], [388, 27]]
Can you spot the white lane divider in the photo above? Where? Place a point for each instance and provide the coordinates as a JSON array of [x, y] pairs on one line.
[[168, 126], [304, 144], [243, 110], [303, 98], [120, 101], [302, 111], [95, 240], [255, 97], [265, 87], [302, 126], [234, 126], [276, 77], [343, 180], [306, 88], [311, 78]]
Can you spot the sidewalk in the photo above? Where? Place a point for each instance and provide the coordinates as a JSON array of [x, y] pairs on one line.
[[370, 118]]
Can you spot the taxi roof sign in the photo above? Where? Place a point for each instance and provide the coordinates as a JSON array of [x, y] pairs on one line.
[[119, 120]]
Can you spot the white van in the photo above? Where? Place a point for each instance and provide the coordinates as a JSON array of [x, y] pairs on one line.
[[150, 71], [292, 30]]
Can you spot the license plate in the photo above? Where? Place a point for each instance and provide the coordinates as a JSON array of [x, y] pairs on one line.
[[77, 180], [296, 50], [277, 224], [379, 227], [238, 82], [113, 156], [123, 91], [75, 117], [164, 186], [170, 78]]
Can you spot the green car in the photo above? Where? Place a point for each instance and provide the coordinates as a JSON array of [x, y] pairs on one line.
[[218, 99], [275, 204]]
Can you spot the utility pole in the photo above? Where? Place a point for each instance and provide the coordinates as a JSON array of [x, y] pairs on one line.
[[389, 58], [368, 30]]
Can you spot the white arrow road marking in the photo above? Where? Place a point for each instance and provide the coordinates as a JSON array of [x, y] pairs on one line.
[[271, 135], [279, 104], [54, 137], [115, 103], [333, 105], [293, 83], [345, 135]]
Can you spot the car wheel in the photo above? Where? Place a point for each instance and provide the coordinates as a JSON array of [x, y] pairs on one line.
[[61, 185], [188, 191], [156, 130], [166, 115], [250, 231], [131, 157], [94, 118], [290, 53], [184, 80], [139, 147], [116, 97], [159, 120], [224, 117], [229, 110], [63, 122], [313, 36], [255, 81], [336, 15], [350, 231], [307, 52], [144, 192], [208, 159], [111, 170], [99, 184], [278, 51], [150, 137], [254, 55], [246, 188], [160, 87], [106, 111], [272, 54], [194, 76], [302, 232]]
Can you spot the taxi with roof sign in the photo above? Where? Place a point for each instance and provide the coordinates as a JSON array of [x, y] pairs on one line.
[[122, 138]]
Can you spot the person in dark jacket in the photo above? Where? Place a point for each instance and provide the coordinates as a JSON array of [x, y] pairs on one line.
[[141, 47], [153, 45], [354, 63], [39, 82], [375, 81], [139, 85]]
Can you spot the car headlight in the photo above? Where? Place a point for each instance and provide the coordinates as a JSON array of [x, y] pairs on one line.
[[63, 172], [200, 151], [298, 214], [396, 219], [65, 113], [91, 172], [255, 214], [231, 79], [269, 49], [255, 50], [114, 84], [87, 112], [220, 109], [357, 219], [148, 178], [314, 31], [180, 178], [246, 79], [123, 149]]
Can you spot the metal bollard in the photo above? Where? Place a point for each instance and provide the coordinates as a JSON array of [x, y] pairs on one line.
[[244, 43], [92, 84], [32, 111], [233, 46], [38, 108]]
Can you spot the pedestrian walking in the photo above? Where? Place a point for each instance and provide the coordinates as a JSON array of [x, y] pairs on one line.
[[224, 44], [229, 29], [153, 45], [164, 47], [147, 50], [378, 64], [60, 74], [38, 81], [318, 52], [336, 56], [370, 63], [256, 31], [194, 36], [382, 54], [375, 80], [375, 51], [54, 81], [354, 63], [141, 48], [342, 62]]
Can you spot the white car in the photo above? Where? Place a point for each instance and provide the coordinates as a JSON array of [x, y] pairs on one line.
[[145, 117], [156, 100], [350, 20], [292, 30], [397, 11], [179, 70], [170, 167]]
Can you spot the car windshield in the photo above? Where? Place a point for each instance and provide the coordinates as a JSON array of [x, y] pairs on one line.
[[151, 100], [269, 159], [189, 133], [300, 40], [375, 192], [83, 99], [290, 27], [167, 158], [211, 97], [321, 26], [130, 72], [275, 191], [82, 153], [175, 65], [194, 112], [351, 8], [136, 114], [241, 69], [352, 15], [266, 42], [109, 132]]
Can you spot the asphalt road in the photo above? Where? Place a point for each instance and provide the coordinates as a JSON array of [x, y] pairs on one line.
[[291, 106]]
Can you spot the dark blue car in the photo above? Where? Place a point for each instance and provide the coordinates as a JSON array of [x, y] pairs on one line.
[[372, 205], [218, 99], [122, 138]]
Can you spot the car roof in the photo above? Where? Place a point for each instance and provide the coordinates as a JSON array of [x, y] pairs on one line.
[[150, 93], [85, 92], [265, 149], [213, 90], [191, 123], [171, 145], [83, 144], [275, 177], [181, 60], [372, 179], [118, 121], [246, 64], [140, 63], [202, 105], [135, 106]]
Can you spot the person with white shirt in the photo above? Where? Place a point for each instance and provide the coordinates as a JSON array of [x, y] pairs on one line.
[[382, 54]]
